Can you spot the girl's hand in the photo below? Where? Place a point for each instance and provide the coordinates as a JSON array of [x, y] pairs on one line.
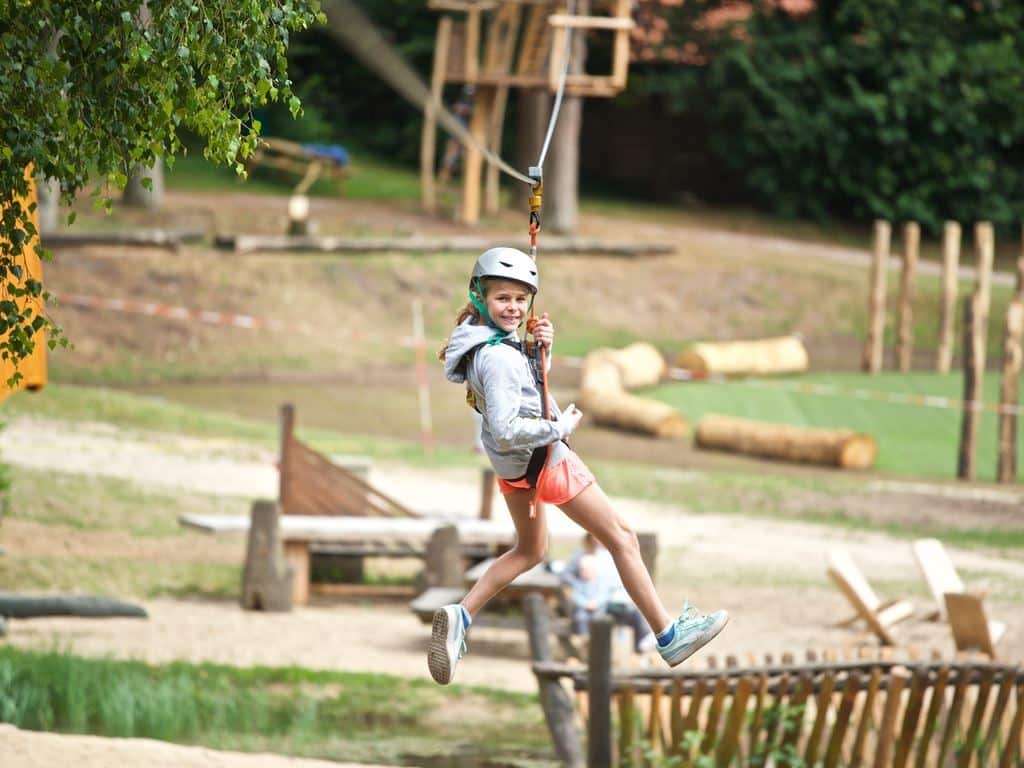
[[543, 331]]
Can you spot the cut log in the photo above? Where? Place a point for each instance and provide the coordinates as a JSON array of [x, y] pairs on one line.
[[639, 364], [635, 414], [785, 354], [26, 607], [831, 447]]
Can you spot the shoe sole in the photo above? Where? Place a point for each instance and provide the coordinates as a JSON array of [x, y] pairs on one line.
[[690, 650], [438, 660]]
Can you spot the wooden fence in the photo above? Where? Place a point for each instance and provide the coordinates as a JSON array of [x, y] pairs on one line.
[[855, 713]]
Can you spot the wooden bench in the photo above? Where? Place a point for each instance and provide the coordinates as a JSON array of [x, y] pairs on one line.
[[408, 536], [308, 162]]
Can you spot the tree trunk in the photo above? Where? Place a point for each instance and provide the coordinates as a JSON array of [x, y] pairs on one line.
[[25, 607], [136, 195]]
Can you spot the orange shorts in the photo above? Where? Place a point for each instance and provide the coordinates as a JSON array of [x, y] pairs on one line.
[[559, 484]]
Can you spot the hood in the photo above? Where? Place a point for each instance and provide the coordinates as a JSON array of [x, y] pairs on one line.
[[464, 338]]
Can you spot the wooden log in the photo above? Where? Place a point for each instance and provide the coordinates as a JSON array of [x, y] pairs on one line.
[[14, 606], [872, 361], [950, 284], [599, 681], [1009, 390], [556, 703], [761, 357], [831, 447], [635, 414], [266, 578], [974, 374], [640, 364], [905, 324]]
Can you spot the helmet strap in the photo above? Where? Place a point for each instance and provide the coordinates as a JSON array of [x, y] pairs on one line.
[[476, 298]]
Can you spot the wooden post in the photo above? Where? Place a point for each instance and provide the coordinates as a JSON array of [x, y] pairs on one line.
[[297, 554], [984, 240], [1020, 265], [1009, 392], [428, 139], [267, 578], [872, 362], [905, 335], [950, 284], [472, 159], [599, 683], [498, 60], [556, 703], [284, 494], [487, 483], [973, 377], [442, 561]]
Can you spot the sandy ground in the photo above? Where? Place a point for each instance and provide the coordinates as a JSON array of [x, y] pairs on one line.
[[769, 574], [29, 749]]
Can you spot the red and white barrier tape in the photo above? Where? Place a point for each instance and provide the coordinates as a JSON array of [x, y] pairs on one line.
[[154, 309]]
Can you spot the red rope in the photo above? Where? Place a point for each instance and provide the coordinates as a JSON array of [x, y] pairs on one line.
[[546, 405]]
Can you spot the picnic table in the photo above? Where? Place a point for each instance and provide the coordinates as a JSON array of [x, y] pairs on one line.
[[375, 536]]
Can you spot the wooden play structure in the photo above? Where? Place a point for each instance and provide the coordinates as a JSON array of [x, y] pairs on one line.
[[869, 707], [495, 45], [32, 368]]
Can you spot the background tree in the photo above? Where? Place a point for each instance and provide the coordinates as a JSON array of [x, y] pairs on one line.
[[92, 89]]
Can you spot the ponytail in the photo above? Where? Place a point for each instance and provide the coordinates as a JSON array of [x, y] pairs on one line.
[[467, 311]]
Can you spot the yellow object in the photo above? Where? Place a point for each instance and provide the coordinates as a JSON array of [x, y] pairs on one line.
[[33, 367]]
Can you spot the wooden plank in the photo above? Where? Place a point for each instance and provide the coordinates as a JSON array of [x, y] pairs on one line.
[[950, 286], [728, 743], [791, 737], [823, 703], [980, 703], [1013, 746], [297, 554], [897, 681], [952, 717], [714, 715], [654, 731], [428, 135], [851, 689], [905, 742], [676, 719], [757, 716], [1006, 685], [627, 727], [561, 20], [872, 360], [857, 751], [905, 322], [1009, 390], [620, 46], [931, 720]]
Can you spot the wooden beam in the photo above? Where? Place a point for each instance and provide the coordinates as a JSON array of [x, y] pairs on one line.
[[428, 137], [560, 20]]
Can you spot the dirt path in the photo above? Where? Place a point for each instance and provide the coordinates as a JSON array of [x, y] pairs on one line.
[[769, 574], [30, 749]]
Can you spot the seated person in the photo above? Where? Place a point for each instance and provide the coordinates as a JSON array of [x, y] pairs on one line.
[[597, 589]]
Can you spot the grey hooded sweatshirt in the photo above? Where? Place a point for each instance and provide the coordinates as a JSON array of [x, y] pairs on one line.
[[507, 397]]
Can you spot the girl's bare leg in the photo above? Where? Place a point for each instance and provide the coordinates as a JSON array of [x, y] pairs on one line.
[[530, 548], [592, 511]]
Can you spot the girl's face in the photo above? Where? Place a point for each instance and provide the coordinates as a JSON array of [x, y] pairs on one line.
[[508, 303]]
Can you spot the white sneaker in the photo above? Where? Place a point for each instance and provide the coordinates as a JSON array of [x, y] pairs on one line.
[[447, 643], [693, 631]]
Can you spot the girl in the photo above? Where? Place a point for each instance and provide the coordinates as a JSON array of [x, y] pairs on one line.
[[530, 457]]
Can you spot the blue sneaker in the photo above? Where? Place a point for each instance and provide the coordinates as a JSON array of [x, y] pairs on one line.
[[447, 643], [693, 630]]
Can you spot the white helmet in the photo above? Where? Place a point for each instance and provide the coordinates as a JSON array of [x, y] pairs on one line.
[[506, 263]]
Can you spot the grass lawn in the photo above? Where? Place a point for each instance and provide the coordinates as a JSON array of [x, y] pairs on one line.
[[912, 439], [328, 715]]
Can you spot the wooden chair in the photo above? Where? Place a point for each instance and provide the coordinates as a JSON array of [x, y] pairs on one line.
[[878, 615], [939, 573], [972, 629]]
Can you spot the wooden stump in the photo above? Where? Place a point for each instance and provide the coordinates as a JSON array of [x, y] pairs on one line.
[[442, 563], [267, 580]]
